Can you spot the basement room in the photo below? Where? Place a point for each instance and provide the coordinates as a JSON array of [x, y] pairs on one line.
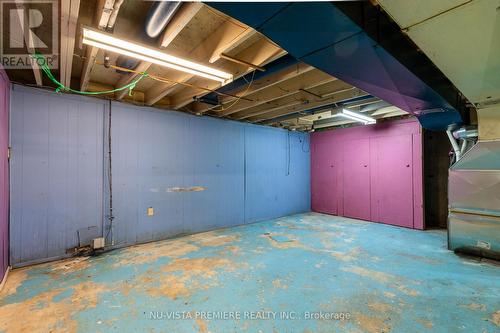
[[227, 167]]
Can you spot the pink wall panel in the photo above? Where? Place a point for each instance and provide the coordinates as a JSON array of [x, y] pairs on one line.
[[4, 172], [380, 176], [356, 186], [324, 179], [394, 177], [418, 185]]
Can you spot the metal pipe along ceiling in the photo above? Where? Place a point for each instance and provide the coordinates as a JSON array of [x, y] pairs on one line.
[[159, 15], [321, 35]]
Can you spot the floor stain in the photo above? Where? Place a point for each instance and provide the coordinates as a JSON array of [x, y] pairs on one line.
[[380, 307], [278, 284], [475, 306], [302, 264], [14, 280], [150, 252], [42, 313], [495, 318], [371, 274], [202, 325], [373, 324], [213, 238], [424, 322]]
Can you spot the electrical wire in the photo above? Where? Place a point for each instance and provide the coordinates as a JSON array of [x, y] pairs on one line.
[[110, 182], [62, 87], [303, 140], [239, 97], [129, 86], [289, 154], [167, 80]]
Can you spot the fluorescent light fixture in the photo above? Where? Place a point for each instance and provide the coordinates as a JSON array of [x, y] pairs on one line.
[[108, 42], [356, 117], [366, 119]]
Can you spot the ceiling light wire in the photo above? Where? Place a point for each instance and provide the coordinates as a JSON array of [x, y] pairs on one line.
[[242, 96], [167, 80]]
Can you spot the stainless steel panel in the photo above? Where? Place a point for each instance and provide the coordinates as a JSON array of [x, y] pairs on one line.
[[485, 155], [475, 233], [474, 201], [475, 190]]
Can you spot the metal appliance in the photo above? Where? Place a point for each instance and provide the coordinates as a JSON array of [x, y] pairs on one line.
[[474, 201]]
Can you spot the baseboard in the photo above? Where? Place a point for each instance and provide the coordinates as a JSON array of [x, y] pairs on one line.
[[4, 278]]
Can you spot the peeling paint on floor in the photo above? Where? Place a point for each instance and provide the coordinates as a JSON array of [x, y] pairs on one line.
[[292, 274]]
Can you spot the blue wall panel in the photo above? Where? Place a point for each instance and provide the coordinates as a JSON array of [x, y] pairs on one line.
[[277, 173], [154, 151], [56, 172], [60, 173]]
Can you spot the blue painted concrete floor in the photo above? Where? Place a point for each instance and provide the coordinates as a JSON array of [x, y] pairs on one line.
[[302, 273]]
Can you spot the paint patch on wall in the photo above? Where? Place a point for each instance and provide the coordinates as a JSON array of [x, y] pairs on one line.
[[186, 189]]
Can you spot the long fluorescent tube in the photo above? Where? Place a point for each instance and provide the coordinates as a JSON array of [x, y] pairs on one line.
[[344, 115], [108, 42], [362, 117]]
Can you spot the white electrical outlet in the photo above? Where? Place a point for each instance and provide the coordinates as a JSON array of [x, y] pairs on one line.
[[98, 243]]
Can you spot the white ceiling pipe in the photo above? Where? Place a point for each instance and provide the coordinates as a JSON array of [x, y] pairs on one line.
[[454, 144]]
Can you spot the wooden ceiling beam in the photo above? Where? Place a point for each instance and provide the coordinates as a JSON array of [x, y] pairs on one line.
[[69, 18], [227, 48], [137, 97], [307, 80], [259, 85], [334, 97], [180, 20], [106, 13], [260, 53], [324, 89], [224, 34]]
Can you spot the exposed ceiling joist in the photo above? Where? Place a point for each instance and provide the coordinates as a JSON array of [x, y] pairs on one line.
[[325, 89], [224, 34], [227, 48], [262, 84], [105, 9], [289, 87], [180, 20], [260, 53], [106, 13], [69, 19], [336, 121], [335, 97], [242, 62], [323, 114]]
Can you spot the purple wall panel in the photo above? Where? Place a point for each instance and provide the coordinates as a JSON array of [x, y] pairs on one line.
[[4, 172], [379, 176]]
